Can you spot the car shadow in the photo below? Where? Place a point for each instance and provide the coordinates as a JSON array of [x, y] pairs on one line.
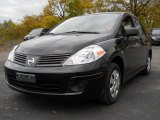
[[132, 96]]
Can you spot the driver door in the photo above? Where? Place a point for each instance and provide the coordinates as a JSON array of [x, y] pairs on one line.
[[132, 47]]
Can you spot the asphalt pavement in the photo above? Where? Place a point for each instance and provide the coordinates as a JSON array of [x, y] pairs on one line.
[[139, 100]]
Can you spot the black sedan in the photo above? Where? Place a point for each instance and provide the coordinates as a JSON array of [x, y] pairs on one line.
[[36, 33], [155, 36], [87, 56]]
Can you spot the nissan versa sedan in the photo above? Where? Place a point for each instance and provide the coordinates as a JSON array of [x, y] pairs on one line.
[[36, 33], [87, 57], [155, 36]]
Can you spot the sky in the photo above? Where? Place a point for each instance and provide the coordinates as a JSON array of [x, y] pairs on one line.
[[17, 9]]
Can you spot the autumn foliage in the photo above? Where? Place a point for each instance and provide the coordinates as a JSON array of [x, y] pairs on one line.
[[148, 11]]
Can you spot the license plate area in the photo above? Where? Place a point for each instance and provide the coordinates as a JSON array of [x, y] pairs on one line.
[[29, 78]]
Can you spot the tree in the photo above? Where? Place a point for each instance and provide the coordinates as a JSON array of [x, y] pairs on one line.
[[47, 11], [49, 21], [68, 8], [7, 24], [101, 6], [136, 7], [79, 7], [30, 22], [1, 25], [153, 14], [57, 8]]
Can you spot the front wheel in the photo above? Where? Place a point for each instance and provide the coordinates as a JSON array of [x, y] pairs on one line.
[[111, 89]]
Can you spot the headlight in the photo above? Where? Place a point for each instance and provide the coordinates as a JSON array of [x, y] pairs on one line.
[[154, 38], [11, 54], [86, 55]]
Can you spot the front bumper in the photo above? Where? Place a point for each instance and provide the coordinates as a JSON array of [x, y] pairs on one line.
[[155, 41], [58, 80]]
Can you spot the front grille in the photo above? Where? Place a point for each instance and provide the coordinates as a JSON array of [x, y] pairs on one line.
[[52, 60], [20, 58], [49, 60]]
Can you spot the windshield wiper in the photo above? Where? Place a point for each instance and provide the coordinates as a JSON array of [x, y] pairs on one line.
[[81, 32], [49, 33]]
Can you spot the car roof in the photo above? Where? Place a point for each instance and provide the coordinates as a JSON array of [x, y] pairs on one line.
[[103, 13], [155, 28], [110, 13]]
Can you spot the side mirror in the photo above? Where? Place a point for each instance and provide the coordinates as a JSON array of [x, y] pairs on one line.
[[44, 31], [131, 32]]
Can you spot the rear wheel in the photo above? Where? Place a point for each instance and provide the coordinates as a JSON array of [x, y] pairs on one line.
[[111, 89], [147, 70]]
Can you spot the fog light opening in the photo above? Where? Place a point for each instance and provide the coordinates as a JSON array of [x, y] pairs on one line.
[[77, 86]]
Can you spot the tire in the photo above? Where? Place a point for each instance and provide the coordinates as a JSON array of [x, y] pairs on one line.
[[147, 70], [112, 83]]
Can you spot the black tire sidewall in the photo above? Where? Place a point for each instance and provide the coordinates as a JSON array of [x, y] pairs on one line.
[[106, 95]]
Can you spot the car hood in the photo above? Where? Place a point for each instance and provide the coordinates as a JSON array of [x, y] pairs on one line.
[[59, 44], [30, 36]]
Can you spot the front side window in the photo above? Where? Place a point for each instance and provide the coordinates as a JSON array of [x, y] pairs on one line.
[[93, 23], [126, 23]]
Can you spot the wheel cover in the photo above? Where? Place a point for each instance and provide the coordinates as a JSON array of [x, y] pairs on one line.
[[149, 64], [115, 83]]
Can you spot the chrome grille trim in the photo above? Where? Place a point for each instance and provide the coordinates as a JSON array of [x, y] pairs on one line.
[[43, 61], [52, 60], [20, 58]]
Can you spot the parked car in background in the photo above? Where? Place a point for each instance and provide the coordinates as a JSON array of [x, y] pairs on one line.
[[155, 36], [36, 33], [81, 58]]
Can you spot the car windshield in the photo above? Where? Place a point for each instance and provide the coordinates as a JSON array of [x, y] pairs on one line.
[[36, 31], [156, 31], [89, 24]]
